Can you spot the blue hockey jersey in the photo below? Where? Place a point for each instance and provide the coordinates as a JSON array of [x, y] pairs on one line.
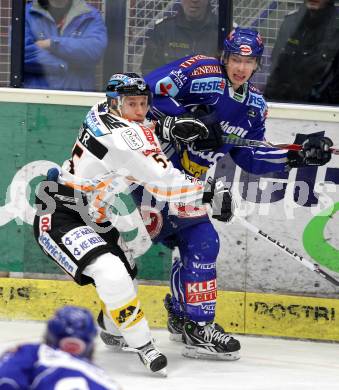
[[200, 80], [39, 367]]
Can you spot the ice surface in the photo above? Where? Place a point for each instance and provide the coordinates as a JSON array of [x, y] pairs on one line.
[[265, 364]]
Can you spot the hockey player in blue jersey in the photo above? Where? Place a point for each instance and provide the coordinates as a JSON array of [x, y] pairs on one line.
[[62, 361], [192, 96]]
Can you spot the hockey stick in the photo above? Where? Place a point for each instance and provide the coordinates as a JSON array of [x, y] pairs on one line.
[[231, 140], [307, 263]]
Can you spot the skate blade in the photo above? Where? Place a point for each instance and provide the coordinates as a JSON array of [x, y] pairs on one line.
[[177, 337], [201, 353]]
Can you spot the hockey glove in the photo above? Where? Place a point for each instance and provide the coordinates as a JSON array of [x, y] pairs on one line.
[[315, 151], [212, 142], [185, 128], [218, 195], [53, 174]]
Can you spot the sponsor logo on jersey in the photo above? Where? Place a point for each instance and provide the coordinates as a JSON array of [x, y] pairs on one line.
[[204, 266], [245, 50], [128, 315], [192, 60], [52, 249], [208, 85], [206, 69], [257, 101], [178, 77], [93, 124], [166, 87], [150, 152], [148, 134], [212, 157], [209, 307], [236, 130], [132, 139], [195, 169], [197, 292], [45, 223], [81, 240]]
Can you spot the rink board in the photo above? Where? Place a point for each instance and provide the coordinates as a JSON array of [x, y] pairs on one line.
[[239, 312]]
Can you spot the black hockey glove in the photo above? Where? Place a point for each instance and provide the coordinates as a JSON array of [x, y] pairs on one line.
[[212, 142], [218, 195], [185, 128], [315, 151]]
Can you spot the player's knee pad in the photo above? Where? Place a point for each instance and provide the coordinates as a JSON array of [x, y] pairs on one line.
[[199, 245], [112, 281], [198, 272], [116, 290]]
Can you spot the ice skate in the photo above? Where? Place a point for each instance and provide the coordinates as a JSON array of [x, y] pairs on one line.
[[209, 342], [151, 357], [175, 323]]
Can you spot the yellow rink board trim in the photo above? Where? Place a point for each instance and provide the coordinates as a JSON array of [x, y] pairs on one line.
[[238, 312]]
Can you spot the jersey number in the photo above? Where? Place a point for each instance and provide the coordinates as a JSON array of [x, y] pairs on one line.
[[160, 160]]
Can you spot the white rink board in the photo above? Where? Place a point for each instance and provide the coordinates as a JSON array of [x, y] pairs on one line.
[[248, 263]]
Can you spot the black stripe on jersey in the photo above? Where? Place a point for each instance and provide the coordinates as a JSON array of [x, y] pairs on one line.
[[94, 146]]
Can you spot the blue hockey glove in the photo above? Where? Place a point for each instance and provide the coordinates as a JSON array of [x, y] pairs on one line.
[[53, 174]]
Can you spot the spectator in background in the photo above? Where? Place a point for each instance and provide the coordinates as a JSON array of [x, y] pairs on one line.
[[62, 361], [304, 58], [194, 29], [64, 40]]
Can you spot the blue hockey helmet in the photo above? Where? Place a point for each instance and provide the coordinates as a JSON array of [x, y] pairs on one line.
[[73, 330], [244, 42], [127, 84]]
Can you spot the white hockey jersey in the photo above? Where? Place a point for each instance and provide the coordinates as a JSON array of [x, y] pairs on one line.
[[112, 153]]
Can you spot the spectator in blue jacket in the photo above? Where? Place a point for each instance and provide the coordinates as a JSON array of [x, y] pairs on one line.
[[64, 40]]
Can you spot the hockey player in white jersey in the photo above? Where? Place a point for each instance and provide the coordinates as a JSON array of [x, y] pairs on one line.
[[62, 361], [115, 148]]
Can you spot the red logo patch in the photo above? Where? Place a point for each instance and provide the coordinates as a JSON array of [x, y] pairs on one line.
[[152, 219], [165, 88], [201, 291], [148, 134], [245, 50]]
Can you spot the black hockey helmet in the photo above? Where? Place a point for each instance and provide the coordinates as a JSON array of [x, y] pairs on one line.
[[127, 84]]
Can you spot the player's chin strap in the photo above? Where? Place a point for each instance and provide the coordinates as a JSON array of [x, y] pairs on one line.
[[300, 259]]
